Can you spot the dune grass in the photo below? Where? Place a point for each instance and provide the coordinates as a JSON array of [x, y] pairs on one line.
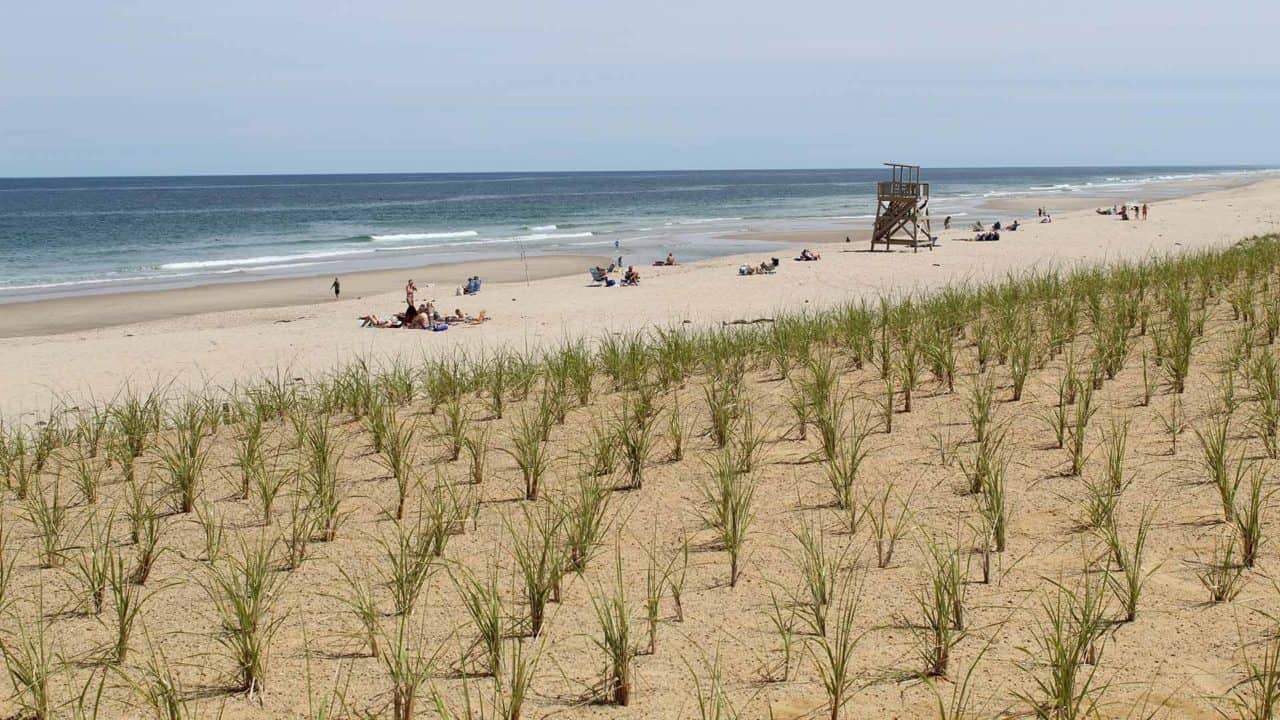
[[784, 450]]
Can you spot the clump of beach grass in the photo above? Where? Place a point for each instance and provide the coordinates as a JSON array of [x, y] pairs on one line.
[[729, 509], [245, 591], [614, 616]]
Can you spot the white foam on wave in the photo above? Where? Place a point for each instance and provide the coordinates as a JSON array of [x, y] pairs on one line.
[[701, 221], [286, 266], [488, 241], [108, 281], [406, 237], [542, 228], [261, 260], [552, 236]]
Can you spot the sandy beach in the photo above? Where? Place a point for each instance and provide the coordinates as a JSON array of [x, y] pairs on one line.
[[77, 349], [878, 507]]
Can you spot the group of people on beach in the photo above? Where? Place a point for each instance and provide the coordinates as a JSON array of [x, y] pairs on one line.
[[424, 316], [767, 267], [982, 234], [629, 278], [1126, 212]]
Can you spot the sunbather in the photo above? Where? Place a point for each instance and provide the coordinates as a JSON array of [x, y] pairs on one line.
[[374, 321], [806, 255], [631, 277]]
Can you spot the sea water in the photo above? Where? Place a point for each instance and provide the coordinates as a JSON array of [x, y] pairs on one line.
[[73, 236]]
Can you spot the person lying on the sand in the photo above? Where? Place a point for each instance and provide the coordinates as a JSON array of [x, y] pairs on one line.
[[1013, 227], [806, 255], [374, 321]]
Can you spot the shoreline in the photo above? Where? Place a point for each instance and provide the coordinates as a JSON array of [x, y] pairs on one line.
[[95, 360], [686, 241], [54, 316]]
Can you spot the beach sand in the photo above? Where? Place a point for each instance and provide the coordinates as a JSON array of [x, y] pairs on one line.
[[75, 350], [1178, 651]]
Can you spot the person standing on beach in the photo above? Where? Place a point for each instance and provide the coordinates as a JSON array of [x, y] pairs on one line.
[[946, 223], [337, 288], [410, 291], [1144, 211]]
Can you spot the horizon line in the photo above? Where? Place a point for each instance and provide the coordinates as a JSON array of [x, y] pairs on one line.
[[621, 171]]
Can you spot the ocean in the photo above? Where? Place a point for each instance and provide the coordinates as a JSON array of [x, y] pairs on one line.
[[79, 236]]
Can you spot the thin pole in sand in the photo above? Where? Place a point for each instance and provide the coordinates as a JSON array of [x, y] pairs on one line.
[[525, 260]]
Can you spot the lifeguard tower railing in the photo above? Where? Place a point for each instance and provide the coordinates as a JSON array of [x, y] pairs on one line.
[[899, 190]]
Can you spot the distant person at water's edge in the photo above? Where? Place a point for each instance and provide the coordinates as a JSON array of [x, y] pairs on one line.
[[337, 288]]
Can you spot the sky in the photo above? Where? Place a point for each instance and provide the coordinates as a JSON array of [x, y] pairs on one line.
[[151, 87]]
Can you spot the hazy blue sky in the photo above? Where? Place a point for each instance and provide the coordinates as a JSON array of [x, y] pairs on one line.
[[229, 86]]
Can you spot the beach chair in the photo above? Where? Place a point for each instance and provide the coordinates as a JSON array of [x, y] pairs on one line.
[[597, 276]]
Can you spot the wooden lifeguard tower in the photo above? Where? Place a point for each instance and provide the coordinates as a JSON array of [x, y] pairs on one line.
[[902, 210]]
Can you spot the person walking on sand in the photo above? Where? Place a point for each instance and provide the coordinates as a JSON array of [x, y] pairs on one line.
[[946, 223], [337, 288], [1144, 211], [410, 291]]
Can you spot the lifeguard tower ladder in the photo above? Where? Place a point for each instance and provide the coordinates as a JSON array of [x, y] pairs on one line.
[[902, 210]]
